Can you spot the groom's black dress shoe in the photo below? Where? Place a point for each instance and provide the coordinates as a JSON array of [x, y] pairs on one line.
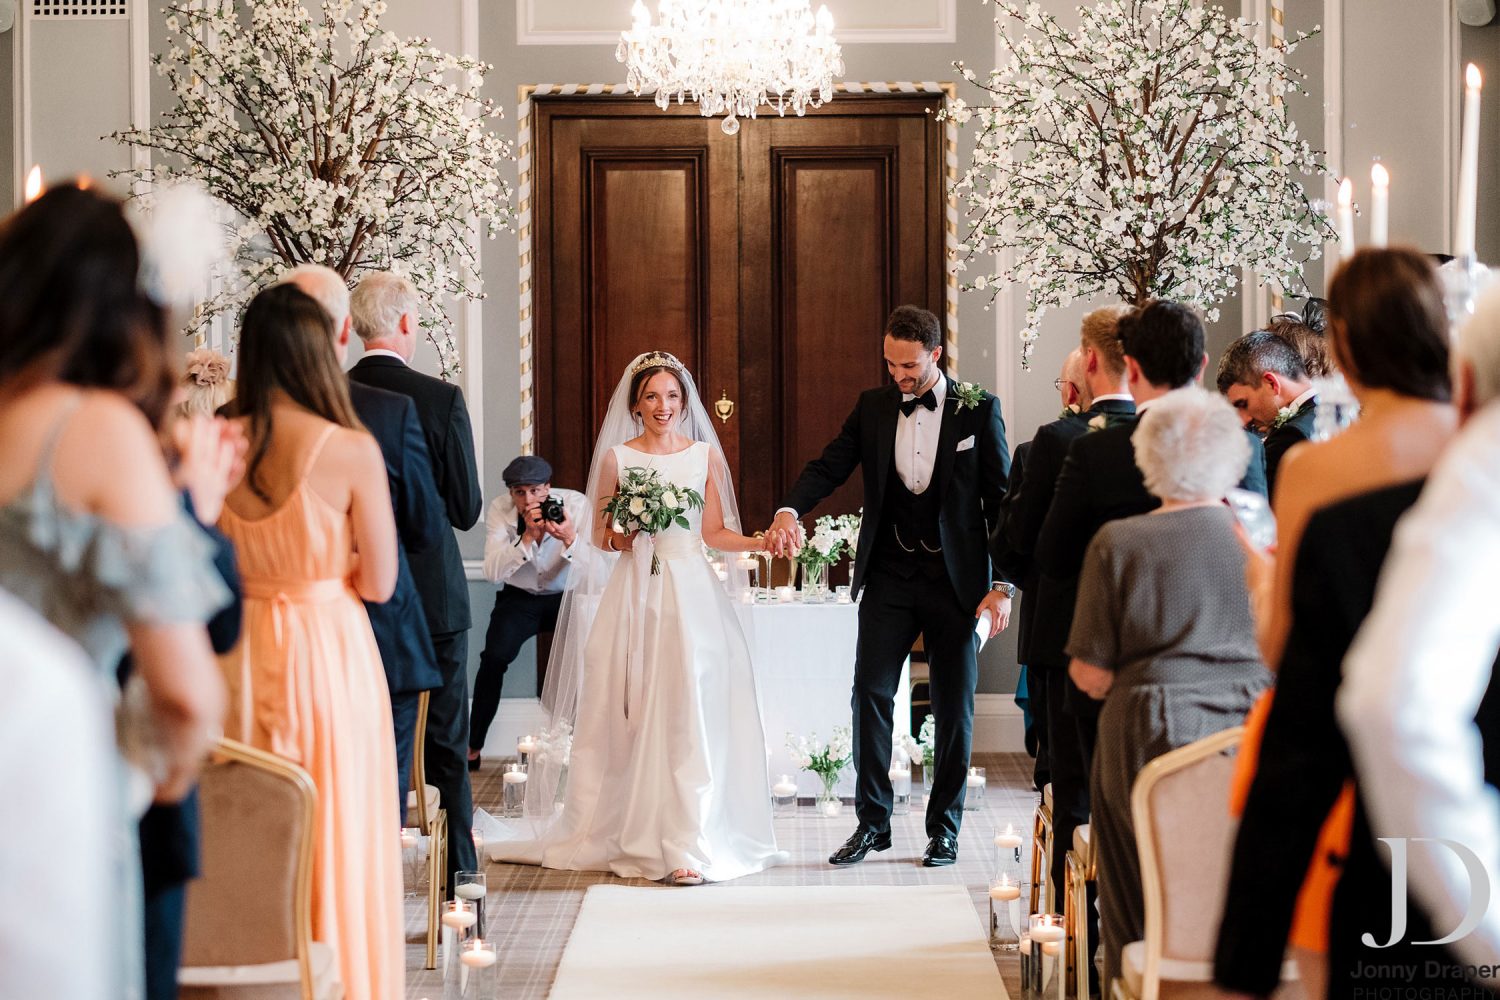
[[941, 850], [862, 843]]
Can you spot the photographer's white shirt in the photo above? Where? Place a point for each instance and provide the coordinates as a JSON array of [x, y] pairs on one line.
[[538, 567]]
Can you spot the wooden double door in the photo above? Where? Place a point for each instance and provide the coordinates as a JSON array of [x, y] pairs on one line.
[[766, 261]]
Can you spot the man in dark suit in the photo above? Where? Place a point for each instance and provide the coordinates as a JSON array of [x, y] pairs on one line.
[[934, 462], [399, 624], [1104, 394], [384, 308], [1266, 380], [1162, 347]]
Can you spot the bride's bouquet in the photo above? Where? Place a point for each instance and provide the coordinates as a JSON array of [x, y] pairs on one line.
[[646, 502]]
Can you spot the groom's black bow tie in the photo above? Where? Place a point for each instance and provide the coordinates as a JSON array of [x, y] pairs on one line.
[[927, 399]]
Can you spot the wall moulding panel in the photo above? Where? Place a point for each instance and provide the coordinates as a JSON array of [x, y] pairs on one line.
[[856, 22]]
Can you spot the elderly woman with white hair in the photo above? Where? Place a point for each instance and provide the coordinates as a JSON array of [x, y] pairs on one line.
[[1162, 632]]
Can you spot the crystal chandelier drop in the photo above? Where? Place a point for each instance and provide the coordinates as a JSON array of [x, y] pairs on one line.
[[731, 56]]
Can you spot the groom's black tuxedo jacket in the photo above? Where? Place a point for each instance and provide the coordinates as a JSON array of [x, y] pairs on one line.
[[971, 483]]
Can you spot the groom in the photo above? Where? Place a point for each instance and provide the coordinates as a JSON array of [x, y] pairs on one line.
[[933, 455]]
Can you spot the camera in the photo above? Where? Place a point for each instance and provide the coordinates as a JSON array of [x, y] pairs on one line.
[[552, 510]]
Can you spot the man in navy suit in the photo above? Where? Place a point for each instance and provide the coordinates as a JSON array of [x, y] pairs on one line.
[[384, 308], [934, 462], [400, 624], [1266, 381]]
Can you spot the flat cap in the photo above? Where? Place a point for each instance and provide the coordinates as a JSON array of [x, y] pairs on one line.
[[527, 470]]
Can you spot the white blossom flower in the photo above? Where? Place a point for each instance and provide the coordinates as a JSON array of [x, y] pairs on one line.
[[1166, 182]]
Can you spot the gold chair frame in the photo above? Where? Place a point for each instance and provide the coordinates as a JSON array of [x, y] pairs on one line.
[[1041, 848], [242, 753], [434, 826], [1079, 871]]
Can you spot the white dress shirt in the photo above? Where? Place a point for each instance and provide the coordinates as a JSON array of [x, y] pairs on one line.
[[58, 895], [1414, 678], [538, 567], [381, 352], [917, 440]]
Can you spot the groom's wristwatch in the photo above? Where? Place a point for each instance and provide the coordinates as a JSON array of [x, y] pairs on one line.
[[1008, 589]]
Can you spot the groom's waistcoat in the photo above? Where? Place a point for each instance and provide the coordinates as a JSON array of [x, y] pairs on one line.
[[909, 534]]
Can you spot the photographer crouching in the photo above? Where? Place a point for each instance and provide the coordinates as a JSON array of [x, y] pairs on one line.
[[531, 532]]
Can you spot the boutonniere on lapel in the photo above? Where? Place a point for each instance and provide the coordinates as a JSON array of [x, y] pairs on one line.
[[1283, 415], [1099, 422], [968, 394], [1071, 410]]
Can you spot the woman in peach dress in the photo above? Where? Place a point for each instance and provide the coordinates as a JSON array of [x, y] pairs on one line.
[[313, 529]]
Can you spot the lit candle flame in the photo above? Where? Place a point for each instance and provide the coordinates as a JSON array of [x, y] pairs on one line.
[[1346, 192], [639, 13], [84, 182], [825, 20], [1472, 78], [1379, 176], [34, 186]]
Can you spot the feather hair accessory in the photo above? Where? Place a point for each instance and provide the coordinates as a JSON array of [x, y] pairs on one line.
[[180, 229]]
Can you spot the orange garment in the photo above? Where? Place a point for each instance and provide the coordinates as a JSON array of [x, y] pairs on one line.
[[306, 682], [1315, 899]]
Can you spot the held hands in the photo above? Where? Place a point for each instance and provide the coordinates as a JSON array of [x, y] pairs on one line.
[[998, 605], [784, 539], [210, 461]]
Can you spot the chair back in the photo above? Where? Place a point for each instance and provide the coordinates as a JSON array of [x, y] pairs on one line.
[[1185, 836], [253, 903], [419, 764]]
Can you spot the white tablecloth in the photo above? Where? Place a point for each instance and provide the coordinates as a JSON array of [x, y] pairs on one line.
[[804, 673]]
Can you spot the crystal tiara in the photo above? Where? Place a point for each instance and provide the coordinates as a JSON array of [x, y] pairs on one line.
[[656, 359]]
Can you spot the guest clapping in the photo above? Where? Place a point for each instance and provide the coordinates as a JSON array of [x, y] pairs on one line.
[[1162, 631]]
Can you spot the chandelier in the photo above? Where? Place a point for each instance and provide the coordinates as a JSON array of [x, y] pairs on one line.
[[731, 56]]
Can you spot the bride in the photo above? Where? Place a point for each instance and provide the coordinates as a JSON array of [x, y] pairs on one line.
[[665, 774]]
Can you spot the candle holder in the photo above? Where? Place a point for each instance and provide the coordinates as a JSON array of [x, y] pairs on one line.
[[1043, 971], [479, 858], [458, 920], [411, 860], [900, 775], [1009, 921], [784, 796], [513, 797], [525, 747], [472, 888], [1008, 844], [974, 788], [474, 976], [842, 594]]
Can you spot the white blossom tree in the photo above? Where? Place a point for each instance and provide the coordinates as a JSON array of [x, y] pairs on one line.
[[336, 142], [1147, 154]]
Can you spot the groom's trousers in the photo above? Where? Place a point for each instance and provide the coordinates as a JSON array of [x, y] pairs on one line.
[[894, 609]]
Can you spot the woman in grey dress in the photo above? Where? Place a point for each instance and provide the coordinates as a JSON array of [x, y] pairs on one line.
[[1162, 632]]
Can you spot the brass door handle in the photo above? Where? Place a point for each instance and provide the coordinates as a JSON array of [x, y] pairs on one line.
[[724, 407]]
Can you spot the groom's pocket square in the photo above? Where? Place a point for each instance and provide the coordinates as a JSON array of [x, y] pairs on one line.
[[965, 444]]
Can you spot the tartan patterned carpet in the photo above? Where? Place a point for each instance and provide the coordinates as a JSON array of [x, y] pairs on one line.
[[531, 911]]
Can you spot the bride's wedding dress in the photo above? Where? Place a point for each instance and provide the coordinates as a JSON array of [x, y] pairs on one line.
[[668, 764]]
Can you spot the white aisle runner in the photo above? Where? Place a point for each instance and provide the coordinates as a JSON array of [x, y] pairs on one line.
[[726, 942]]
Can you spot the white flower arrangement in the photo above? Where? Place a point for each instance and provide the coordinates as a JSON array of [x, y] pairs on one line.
[[555, 744], [825, 760], [336, 142], [921, 748], [833, 537], [1146, 154]]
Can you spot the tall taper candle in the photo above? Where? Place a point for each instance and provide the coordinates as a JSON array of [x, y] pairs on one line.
[[1346, 219], [1468, 167], [1380, 203]]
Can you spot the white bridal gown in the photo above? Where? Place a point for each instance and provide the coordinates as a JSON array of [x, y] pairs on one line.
[[681, 782]]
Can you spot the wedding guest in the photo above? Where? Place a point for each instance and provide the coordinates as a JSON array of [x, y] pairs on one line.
[[1265, 379], [400, 623], [1419, 702], [385, 310], [1162, 350], [206, 384], [1297, 757], [312, 524], [92, 535], [1388, 329], [1047, 606], [1162, 633], [528, 554], [55, 710], [1309, 338]]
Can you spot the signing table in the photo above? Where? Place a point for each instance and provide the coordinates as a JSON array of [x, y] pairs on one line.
[[804, 673]]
